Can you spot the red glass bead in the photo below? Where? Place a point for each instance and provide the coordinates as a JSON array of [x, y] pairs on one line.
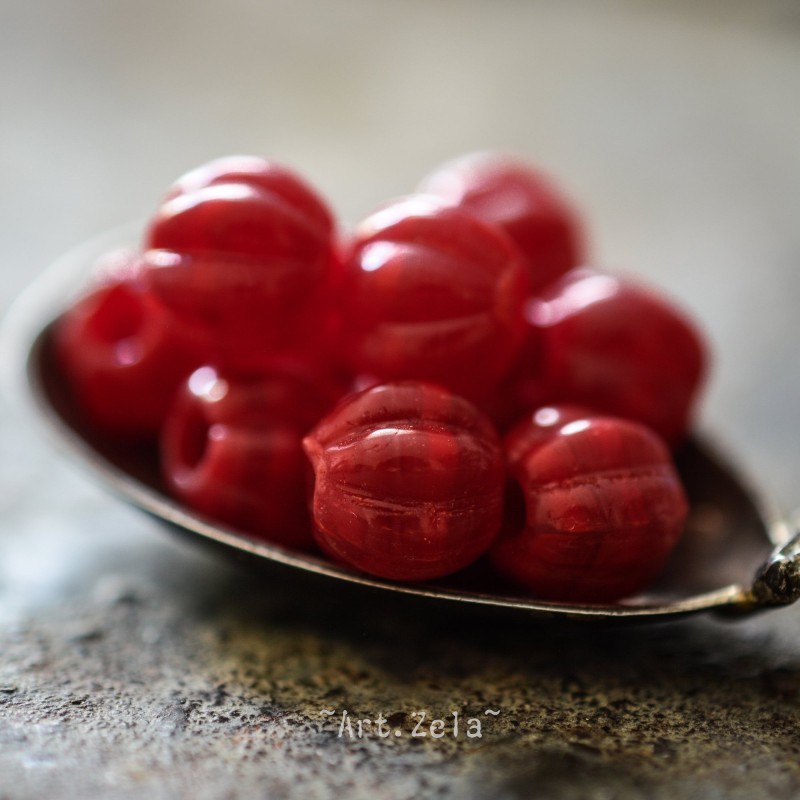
[[245, 248], [604, 507], [539, 426], [124, 355], [259, 173], [409, 482], [615, 346], [511, 194], [248, 314], [247, 207], [429, 293], [231, 449]]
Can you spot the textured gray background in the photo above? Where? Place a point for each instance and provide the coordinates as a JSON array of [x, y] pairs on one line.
[[131, 665]]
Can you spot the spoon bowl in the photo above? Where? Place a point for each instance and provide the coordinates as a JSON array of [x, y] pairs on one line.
[[735, 556]]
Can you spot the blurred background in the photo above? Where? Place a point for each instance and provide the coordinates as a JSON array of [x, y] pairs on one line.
[[675, 126]]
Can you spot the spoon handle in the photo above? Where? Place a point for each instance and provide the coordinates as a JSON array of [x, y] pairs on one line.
[[777, 583]]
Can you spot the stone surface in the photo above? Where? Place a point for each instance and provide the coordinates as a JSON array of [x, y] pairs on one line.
[[134, 666], [168, 674]]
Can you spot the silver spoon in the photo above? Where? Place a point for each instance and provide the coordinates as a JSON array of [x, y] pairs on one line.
[[735, 557]]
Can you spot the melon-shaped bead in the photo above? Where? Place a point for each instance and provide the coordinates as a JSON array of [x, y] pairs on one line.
[[604, 507], [259, 173], [248, 313], [429, 293], [231, 449], [245, 207], [613, 345], [123, 354], [408, 481], [245, 248], [507, 192]]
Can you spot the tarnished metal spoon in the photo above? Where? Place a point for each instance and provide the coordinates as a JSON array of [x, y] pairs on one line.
[[735, 557]]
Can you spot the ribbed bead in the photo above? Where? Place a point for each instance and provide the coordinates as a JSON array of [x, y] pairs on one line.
[[429, 293], [409, 482], [231, 449], [604, 507], [520, 200], [615, 346]]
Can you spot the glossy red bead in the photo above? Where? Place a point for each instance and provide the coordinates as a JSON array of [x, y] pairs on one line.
[[604, 507], [244, 248], [538, 427], [507, 192], [408, 482], [268, 176], [613, 345], [248, 314], [231, 449], [123, 354], [429, 293], [244, 206]]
